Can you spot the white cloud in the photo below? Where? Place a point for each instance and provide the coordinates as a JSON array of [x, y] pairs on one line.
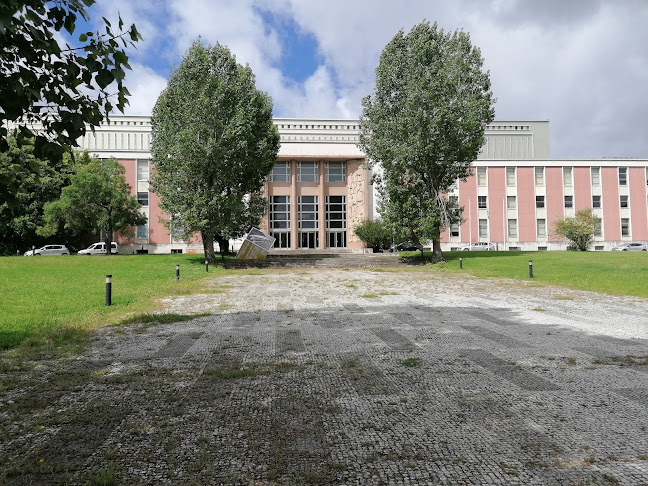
[[145, 86]]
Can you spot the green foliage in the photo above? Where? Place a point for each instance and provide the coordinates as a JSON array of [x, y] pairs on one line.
[[18, 223], [579, 230], [376, 234], [61, 90], [424, 125], [213, 145], [97, 199]]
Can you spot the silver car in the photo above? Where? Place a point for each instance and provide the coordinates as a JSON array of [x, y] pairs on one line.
[[479, 246], [48, 250], [631, 247]]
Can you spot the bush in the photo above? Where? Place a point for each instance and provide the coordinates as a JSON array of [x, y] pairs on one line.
[[375, 234]]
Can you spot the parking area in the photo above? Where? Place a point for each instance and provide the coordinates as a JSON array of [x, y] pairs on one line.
[[347, 377]]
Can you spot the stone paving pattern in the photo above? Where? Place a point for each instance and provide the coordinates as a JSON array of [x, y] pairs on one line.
[[305, 381]]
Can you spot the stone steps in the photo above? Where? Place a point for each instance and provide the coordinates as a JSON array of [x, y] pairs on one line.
[[323, 260]]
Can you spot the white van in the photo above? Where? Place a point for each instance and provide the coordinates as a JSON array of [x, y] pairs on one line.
[[99, 249]]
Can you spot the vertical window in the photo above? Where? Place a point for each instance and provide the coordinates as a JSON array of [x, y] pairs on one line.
[[481, 176], [336, 221], [598, 229], [512, 228], [483, 228], [567, 176], [596, 201], [335, 172], [308, 216], [623, 176], [143, 198], [539, 176], [541, 225], [142, 231], [307, 172], [142, 170], [280, 172], [454, 229], [625, 226], [481, 202], [596, 176], [511, 202], [623, 200], [510, 176], [569, 201], [540, 201], [280, 221]]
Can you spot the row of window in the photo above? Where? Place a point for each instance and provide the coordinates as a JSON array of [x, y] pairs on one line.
[[511, 202], [568, 180], [309, 172]]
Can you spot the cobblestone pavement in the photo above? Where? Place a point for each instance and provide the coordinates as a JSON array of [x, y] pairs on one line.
[[347, 377]]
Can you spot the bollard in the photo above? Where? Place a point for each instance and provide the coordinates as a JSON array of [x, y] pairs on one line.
[[177, 272], [206, 265], [530, 269], [461, 263], [108, 289]]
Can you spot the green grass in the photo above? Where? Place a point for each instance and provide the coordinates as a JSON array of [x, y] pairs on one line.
[[614, 273], [52, 299]]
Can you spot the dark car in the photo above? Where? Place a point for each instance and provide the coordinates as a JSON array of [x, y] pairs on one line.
[[405, 246]]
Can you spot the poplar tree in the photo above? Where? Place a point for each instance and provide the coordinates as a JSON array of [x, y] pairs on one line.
[[424, 125], [213, 146]]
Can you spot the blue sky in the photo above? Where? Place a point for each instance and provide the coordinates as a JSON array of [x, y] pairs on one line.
[[582, 64]]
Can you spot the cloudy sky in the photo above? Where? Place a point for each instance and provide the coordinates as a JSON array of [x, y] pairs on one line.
[[581, 64]]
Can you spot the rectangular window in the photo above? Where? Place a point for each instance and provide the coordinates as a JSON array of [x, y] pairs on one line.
[[625, 226], [336, 222], [308, 212], [454, 229], [567, 176], [623, 200], [598, 230], [510, 176], [540, 201], [280, 172], [481, 202], [142, 231], [511, 202], [481, 176], [483, 228], [307, 172], [335, 172], [569, 201], [539, 176], [596, 201], [596, 176], [623, 176], [143, 198], [142, 170], [512, 228], [541, 225], [280, 213]]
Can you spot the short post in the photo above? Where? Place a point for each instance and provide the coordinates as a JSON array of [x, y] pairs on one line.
[[108, 289], [530, 268], [33, 250], [461, 263], [178, 272], [206, 265]]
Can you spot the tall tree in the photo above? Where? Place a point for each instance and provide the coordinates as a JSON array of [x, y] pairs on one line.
[[424, 125], [579, 230], [213, 145], [97, 199], [59, 89]]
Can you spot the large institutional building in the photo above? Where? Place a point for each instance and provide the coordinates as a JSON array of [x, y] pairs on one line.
[[319, 189]]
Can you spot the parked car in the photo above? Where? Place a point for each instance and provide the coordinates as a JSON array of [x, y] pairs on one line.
[[99, 249], [48, 250], [479, 246], [631, 247], [405, 246]]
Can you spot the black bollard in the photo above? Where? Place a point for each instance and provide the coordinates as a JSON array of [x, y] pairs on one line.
[[108, 289], [177, 272], [461, 263], [530, 269], [206, 265]]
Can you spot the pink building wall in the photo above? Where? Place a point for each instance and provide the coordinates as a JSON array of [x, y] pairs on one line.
[[582, 188], [496, 197], [610, 202], [526, 204], [638, 203], [554, 200], [468, 199]]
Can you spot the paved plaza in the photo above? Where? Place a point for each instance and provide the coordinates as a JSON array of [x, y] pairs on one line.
[[353, 377]]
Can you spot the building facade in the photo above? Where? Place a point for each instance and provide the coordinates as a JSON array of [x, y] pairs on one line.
[[320, 189]]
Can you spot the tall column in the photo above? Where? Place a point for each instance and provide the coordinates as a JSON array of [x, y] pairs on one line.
[[322, 204], [294, 230]]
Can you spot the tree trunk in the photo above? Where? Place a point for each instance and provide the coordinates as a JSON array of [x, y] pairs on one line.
[[223, 245], [108, 239], [437, 254], [208, 245]]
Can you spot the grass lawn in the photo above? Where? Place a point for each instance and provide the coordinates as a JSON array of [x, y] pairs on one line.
[[56, 298]]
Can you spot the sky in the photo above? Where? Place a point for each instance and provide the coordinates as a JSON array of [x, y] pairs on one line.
[[581, 64]]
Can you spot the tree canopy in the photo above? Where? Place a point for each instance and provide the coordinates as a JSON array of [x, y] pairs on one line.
[[579, 230], [424, 125], [213, 146], [52, 92], [97, 199]]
